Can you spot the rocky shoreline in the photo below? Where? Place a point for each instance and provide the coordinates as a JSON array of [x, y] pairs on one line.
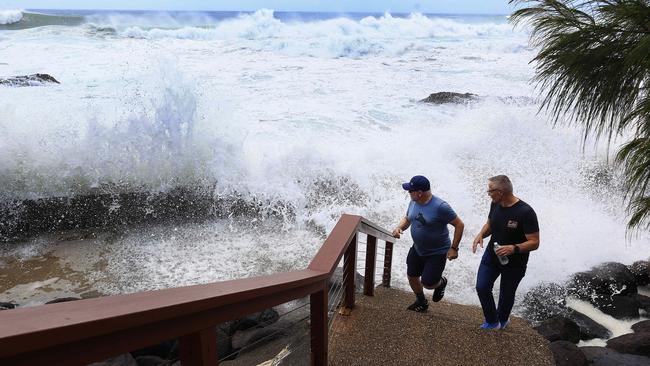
[[612, 288]]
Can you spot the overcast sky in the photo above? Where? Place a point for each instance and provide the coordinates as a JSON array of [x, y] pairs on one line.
[[430, 6]]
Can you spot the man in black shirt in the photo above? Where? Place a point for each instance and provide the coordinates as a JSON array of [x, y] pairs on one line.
[[512, 223]]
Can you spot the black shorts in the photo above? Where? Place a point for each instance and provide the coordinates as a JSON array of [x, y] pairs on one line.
[[428, 267]]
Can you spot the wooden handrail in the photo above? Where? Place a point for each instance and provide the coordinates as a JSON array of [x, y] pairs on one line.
[[103, 327]]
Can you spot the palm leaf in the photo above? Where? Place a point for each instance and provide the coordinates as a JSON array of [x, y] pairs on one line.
[[594, 66]]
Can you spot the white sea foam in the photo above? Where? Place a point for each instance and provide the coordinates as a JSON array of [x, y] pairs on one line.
[[10, 16], [322, 115], [339, 37]]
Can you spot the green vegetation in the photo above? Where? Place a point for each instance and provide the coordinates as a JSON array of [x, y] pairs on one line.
[[594, 66]]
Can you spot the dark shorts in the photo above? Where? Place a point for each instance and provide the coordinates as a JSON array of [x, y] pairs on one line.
[[429, 267]]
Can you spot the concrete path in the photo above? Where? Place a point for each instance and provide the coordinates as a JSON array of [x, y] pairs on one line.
[[380, 331]]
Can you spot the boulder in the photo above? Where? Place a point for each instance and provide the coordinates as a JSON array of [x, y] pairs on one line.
[[622, 307], [450, 97], [257, 336], [643, 302], [162, 350], [224, 347], [259, 319], [606, 286], [641, 327], [63, 299], [151, 361], [559, 329], [121, 360], [641, 272], [567, 354], [7, 305], [601, 356], [589, 329], [633, 343], [29, 80], [545, 301]]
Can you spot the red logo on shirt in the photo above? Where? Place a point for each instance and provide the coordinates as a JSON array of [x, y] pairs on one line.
[[512, 224]]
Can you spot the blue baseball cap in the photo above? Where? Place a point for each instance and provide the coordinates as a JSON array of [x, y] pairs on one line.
[[417, 183]]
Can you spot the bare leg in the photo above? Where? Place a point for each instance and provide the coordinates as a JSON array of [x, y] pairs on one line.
[[416, 285]]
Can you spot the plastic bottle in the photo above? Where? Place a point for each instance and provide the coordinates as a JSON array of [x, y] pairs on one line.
[[502, 259]]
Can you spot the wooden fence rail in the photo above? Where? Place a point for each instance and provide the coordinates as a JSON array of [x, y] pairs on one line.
[[85, 331]]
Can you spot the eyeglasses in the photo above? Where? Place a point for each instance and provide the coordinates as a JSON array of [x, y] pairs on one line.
[[492, 190]]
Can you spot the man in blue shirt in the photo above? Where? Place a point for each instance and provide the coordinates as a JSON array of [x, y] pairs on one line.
[[428, 217]]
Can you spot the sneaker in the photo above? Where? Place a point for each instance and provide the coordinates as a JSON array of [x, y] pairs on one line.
[[419, 306], [503, 325], [439, 292], [487, 325]]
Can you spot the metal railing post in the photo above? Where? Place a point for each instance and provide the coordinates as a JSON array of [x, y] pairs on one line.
[[371, 257], [199, 349], [388, 262], [319, 330], [349, 272]]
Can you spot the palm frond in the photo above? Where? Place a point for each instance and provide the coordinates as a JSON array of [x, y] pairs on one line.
[[594, 66]]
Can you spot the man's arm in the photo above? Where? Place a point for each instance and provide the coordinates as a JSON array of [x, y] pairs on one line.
[[403, 225], [459, 227], [485, 232]]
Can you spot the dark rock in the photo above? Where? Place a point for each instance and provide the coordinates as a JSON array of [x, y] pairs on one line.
[[622, 307], [559, 329], [589, 329], [450, 97], [641, 327], [28, 80], [7, 305], [162, 350], [643, 301], [567, 354], [257, 336], [601, 356], [224, 347], [103, 210], [336, 280], [641, 272], [545, 301], [63, 299], [260, 319], [121, 360], [633, 343], [151, 361], [605, 287]]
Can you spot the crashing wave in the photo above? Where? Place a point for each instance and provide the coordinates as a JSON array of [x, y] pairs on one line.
[[10, 16], [33, 20], [337, 37]]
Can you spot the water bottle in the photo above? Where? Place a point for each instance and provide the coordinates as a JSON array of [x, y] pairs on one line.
[[502, 259]]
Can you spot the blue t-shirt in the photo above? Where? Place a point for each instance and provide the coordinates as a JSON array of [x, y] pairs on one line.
[[429, 226]]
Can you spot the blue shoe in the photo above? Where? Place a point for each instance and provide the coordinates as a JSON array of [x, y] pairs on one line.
[[503, 325], [486, 325]]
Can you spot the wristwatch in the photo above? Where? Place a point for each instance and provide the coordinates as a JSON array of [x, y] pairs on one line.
[[516, 249], [456, 249]]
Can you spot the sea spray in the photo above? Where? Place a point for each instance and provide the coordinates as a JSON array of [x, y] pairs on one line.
[[279, 121]]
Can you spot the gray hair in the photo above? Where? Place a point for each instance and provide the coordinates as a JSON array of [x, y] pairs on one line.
[[503, 183]]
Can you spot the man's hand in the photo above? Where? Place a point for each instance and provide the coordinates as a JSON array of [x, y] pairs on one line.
[[477, 241], [452, 254], [397, 232], [505, 250]]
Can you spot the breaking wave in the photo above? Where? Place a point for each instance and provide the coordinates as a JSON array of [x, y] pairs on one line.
[[16, 20], [10, 16]]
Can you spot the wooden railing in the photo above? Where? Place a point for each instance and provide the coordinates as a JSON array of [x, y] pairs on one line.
[[85, 331]]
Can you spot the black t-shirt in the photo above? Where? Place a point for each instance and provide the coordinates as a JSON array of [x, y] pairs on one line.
[[509, 225]]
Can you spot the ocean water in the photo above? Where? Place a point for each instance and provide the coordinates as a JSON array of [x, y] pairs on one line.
[[317, 112]]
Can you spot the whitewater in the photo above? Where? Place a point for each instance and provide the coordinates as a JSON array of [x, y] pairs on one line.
[[318, 114]]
